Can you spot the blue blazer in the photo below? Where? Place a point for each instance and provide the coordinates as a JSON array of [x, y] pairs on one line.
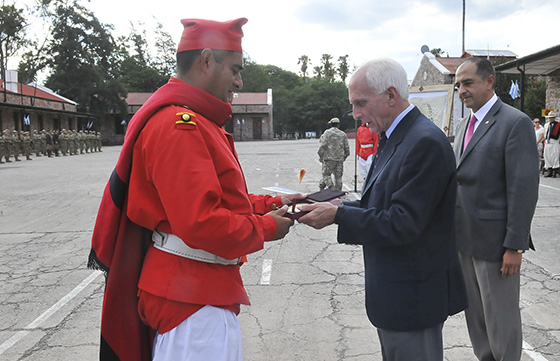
[[405, 223]]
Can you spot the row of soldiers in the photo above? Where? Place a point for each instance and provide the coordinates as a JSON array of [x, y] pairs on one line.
[[48, 143]]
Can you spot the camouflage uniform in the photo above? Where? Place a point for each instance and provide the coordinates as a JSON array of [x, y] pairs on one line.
[[63, 140], [36, 143], [16, 145], [98, 141], [43, 141], [26, 145], [332, 152], [56, 142], [4, 149], [82, 141], [88, 141], [49, 143], [75, 142]]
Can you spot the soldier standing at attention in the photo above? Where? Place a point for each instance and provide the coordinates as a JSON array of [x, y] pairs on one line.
[[16, 145], [63, 139], [26, 145], [4, 149], [36, 142], [333, 151]]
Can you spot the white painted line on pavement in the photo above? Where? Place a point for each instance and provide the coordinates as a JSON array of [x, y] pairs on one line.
[[544, 185], [535, 355], [48, 313], [266, 271]]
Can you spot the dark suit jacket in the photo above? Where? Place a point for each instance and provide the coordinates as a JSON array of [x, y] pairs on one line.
[[498, 180], [405, 222]]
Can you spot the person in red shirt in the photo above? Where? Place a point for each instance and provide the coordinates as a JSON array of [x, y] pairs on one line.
[[366, 146], [176, 220]]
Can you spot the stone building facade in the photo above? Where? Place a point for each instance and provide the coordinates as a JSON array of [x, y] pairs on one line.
[[553, 91]]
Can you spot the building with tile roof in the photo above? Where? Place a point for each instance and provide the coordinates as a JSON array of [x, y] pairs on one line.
[[252, 117], [44, 108]]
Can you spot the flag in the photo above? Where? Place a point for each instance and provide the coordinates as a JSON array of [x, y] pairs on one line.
[[26, 119], [238, 121], [514, 90]]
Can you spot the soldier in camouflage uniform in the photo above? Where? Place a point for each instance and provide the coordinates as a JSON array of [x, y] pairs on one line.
[[63, 140], [26, 145], [75, 142], [4, 149], [16, 145], [98, 141], [332, 152], [36, 143], [49, 143], [87, 140], [43, 141], [82, 141]]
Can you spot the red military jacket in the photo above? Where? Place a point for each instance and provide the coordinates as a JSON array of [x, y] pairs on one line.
[[366, 142], [186, 180]]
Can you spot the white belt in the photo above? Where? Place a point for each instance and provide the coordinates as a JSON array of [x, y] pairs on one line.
[[366, 145], [170, 243]]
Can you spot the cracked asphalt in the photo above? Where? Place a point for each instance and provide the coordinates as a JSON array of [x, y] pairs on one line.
[[311, 309]]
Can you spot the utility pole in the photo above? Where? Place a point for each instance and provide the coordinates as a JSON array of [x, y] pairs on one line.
[[463, 50]]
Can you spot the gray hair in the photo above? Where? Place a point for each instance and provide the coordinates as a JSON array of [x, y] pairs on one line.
[[383, 73]]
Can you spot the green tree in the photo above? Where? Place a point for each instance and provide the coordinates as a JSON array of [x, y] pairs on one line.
[[437, 52], [81, 59], [165, 59], [304, 62], [318, 71], [12, 34], [535, 97], [343, 67], [309, 106], [328, 68]]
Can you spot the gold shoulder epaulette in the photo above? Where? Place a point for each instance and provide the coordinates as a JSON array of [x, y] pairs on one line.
[[186, 120]]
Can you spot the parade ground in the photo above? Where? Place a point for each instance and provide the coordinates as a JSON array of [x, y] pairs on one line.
[[307, 291]]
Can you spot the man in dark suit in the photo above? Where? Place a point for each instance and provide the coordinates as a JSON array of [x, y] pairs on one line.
[[405, 219], [498, 179]]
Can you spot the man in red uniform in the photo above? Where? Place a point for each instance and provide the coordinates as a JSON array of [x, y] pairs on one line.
[[366, 145], [176, 220]]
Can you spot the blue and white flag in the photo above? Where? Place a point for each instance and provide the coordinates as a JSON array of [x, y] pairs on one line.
[[26, 120], [514, 90]]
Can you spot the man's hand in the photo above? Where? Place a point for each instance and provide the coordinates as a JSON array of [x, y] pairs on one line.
[[283, 224], [320, 214], [289, 198], [511, 262]]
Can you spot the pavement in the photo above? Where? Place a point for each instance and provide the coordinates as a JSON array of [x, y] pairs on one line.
[[306, 290]]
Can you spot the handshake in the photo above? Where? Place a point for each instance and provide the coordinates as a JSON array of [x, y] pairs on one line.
[[316, 210]]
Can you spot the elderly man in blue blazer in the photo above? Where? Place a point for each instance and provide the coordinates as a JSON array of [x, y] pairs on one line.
[[498, 180], [404, 220]]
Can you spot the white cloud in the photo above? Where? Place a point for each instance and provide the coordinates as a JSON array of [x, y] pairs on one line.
[[279, 32]]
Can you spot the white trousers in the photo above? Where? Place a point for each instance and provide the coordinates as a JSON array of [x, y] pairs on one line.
[[212, 333], [552, 154], [363, 165]]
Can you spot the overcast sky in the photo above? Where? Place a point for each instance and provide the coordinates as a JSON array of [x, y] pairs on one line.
[[279, 32]]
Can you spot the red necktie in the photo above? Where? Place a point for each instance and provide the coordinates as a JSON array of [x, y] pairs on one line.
[[470, 131]]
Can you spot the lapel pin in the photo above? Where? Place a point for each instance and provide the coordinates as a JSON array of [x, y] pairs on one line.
[[487, 122]]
